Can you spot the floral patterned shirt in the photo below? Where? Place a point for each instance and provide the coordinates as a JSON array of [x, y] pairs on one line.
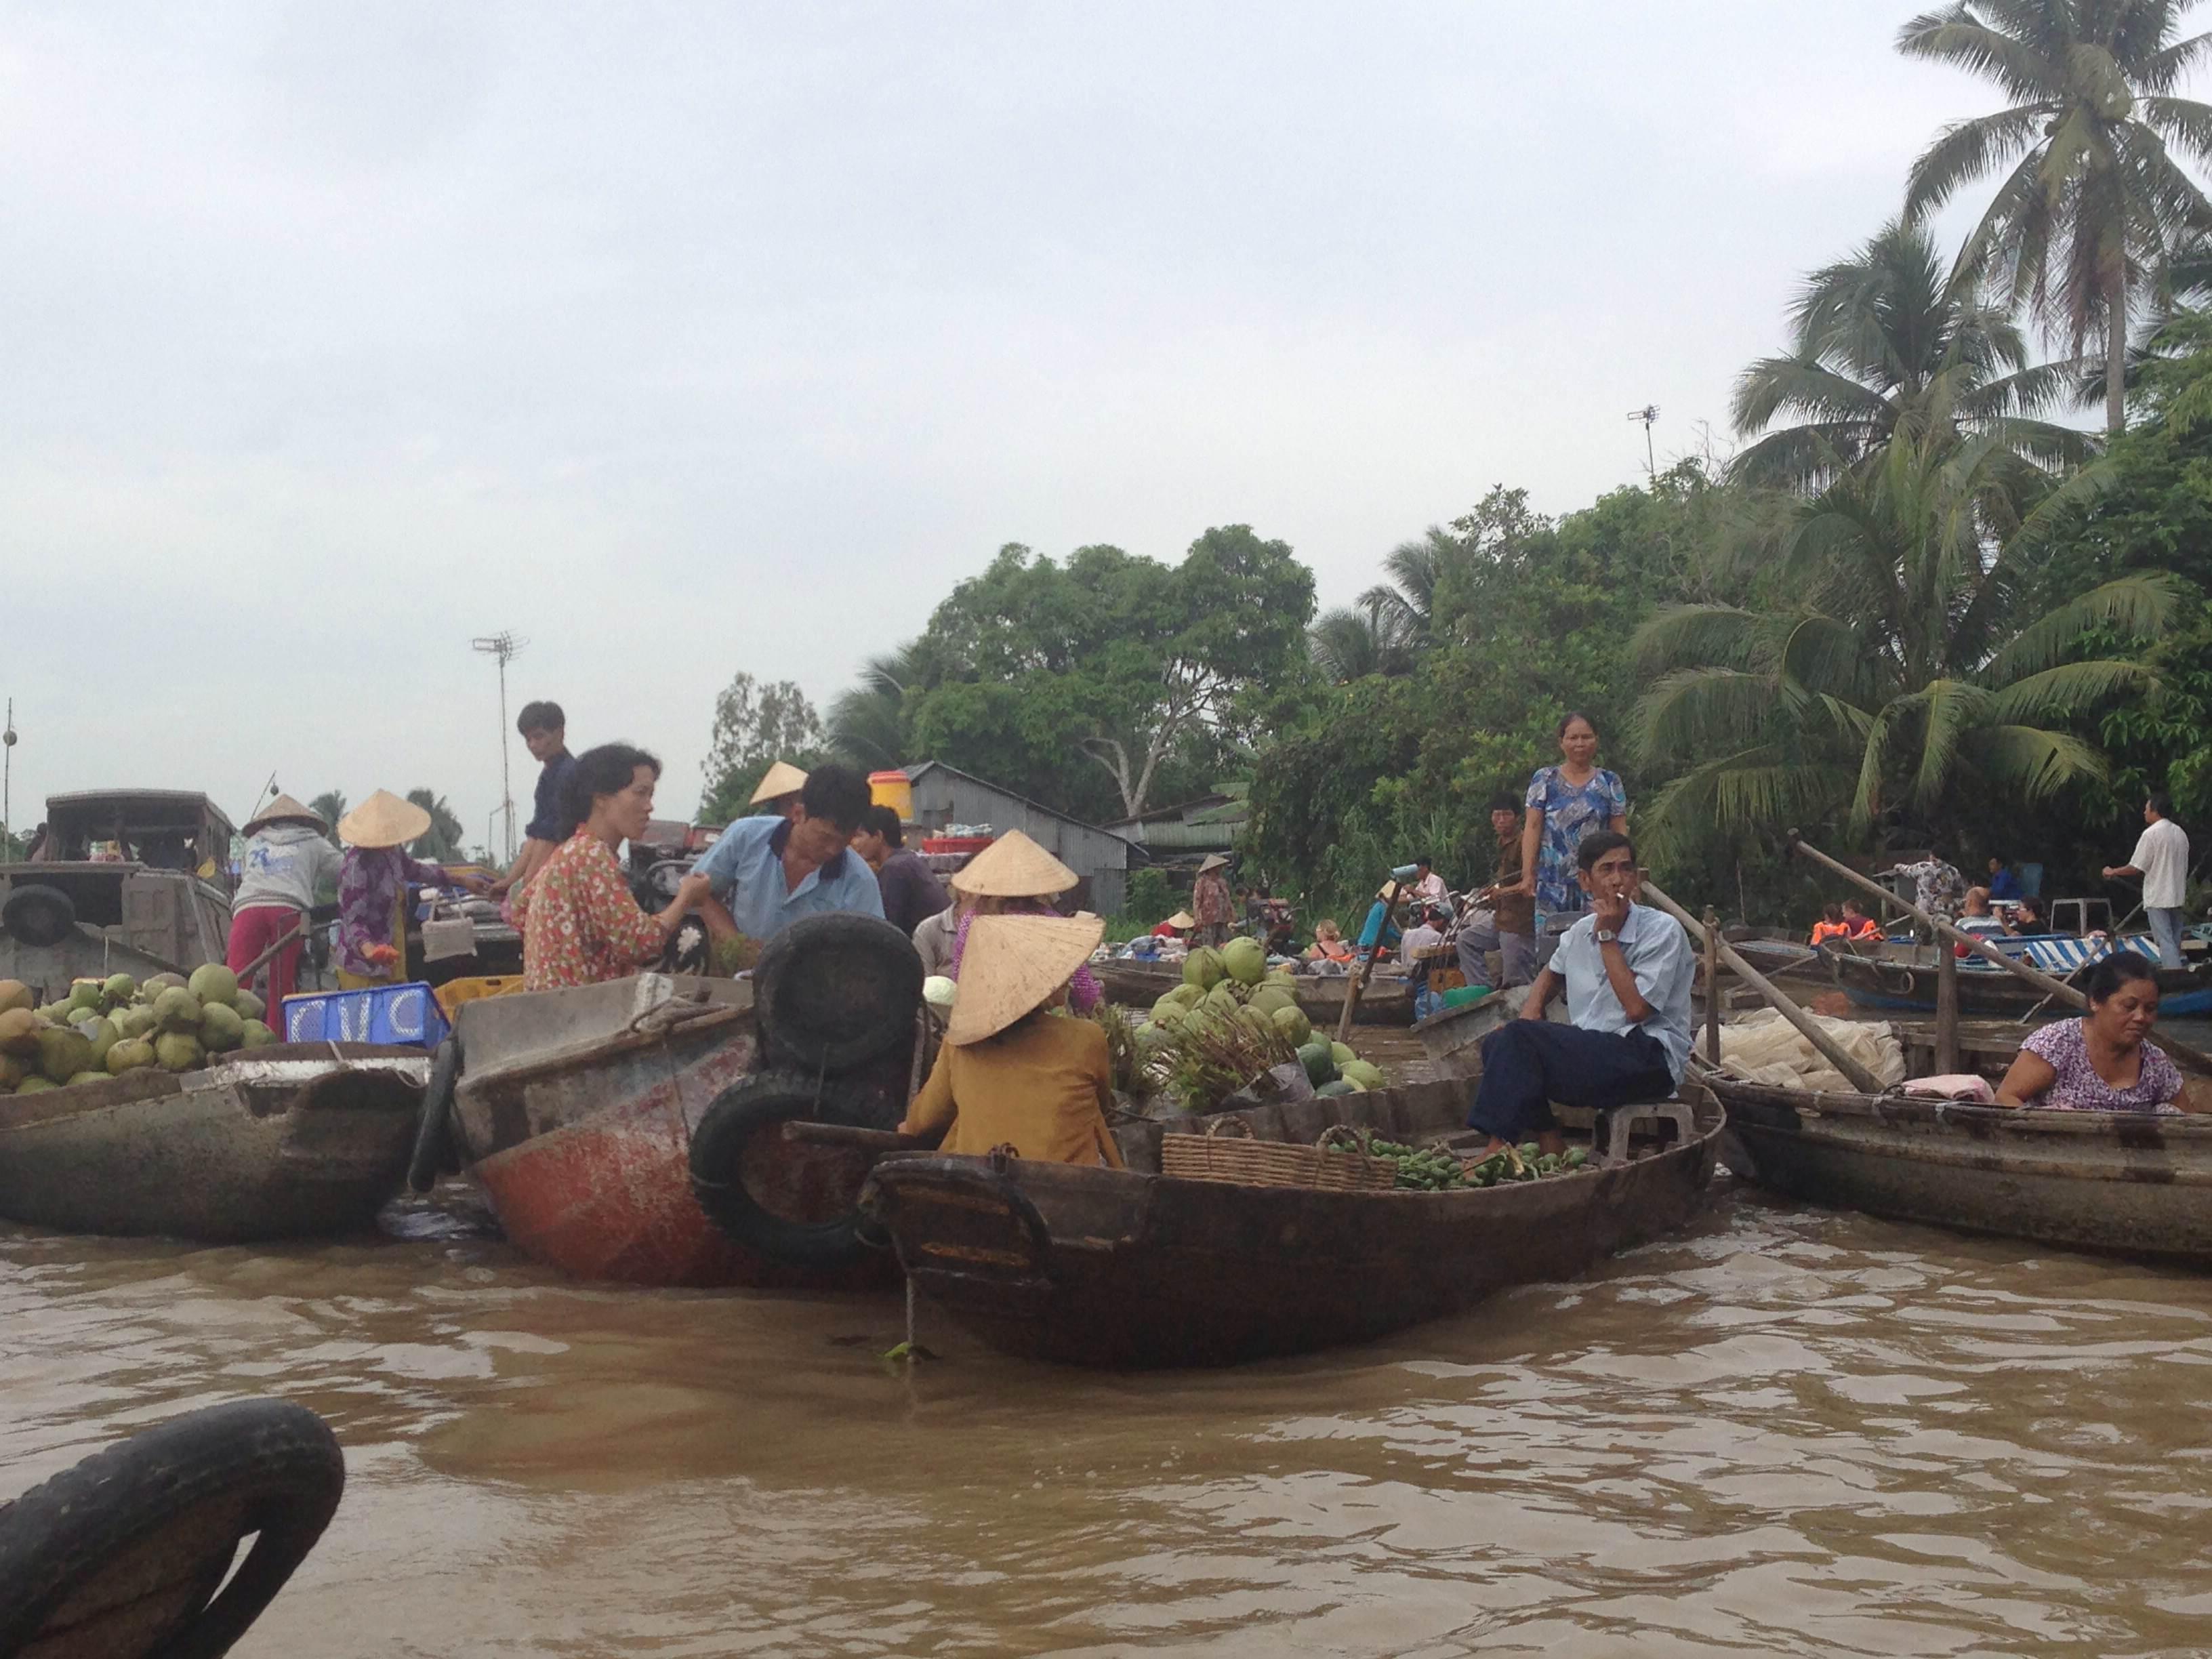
[[371, 880], [1570, 811], [581, 925], [2077, 1088], [1211, 901]]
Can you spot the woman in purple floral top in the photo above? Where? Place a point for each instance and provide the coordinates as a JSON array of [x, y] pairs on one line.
[[2103, 1062], [373, 879]]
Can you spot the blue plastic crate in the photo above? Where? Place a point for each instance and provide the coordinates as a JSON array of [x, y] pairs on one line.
[[401, 1014]]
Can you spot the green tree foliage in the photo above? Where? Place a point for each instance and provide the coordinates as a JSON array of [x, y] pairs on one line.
[[755, 726], [1887, 666], [330, 806], [1883, 342], [2092, 196], [869, 726], [443, 841]]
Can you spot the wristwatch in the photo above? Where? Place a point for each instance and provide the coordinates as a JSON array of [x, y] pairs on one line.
[[1607, 936]]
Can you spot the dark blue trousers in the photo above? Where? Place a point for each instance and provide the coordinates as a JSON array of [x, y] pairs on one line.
[[1528, 1063]]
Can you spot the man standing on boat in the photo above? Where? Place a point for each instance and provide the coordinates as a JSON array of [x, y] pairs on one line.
[[1507, 924], [544, 732], [1626, 970], [2161, 859], [767, 872]]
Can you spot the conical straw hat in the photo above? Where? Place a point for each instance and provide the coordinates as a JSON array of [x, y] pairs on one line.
[[1182, 919], [1013, 965], [781, 779], [1212, 861], [383, 820], [284, 809], [1013, 866]]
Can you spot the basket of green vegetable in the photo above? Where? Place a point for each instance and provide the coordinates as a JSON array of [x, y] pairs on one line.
[[1228, 1151]]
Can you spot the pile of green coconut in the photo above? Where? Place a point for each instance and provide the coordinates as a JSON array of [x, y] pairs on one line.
[[1233, 1017], [108, 1027]]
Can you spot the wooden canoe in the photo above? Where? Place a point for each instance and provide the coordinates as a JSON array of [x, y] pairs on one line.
[[288, 1141], [1902, 978], [575, 1108], [1452, 1037], [1387, 999], [1132, 1269], [2128, 1184]]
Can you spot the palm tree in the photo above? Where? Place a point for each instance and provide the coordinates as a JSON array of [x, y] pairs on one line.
[[1899, 673], [330, 806], [442, 840], [1407, 600], [1884, 340], [867, 724], [2093, 198], [1371, 637]]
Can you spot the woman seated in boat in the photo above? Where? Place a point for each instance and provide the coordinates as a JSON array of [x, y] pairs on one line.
[[1012, 877], [1013, 1071], [580, 924], [1831, 925], [2026, 920], [1857, 924], [2103, 1062], [1177, 926], [1328, 943]]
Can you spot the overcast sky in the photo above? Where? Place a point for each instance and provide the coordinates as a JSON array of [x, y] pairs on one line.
[[691, 338]]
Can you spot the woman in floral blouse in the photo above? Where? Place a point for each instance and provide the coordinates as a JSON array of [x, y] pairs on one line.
[[581, 925]]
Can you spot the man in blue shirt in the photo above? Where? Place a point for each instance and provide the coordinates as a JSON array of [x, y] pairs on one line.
[[767, 872], [1627, 970]]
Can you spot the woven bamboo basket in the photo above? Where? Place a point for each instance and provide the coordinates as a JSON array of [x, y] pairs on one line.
[[1228, 1151]]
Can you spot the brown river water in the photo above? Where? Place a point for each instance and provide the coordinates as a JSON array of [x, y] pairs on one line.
[[1786, 1432]]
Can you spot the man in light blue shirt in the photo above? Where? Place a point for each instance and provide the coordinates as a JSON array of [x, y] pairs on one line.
[[768, 873], [1627, 970]]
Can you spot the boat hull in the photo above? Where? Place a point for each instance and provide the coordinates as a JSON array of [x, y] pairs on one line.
[[1900, 980], [2119, 1182], [1123, 1269], [584, 1151], [1452, 1037], [1386, 1000], [288, 1141]]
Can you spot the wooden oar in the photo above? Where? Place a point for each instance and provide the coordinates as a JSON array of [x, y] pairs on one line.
[[2195, 1060], [1808, 1028]]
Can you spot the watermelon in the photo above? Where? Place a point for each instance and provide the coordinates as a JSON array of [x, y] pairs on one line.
[[1320, 1068]]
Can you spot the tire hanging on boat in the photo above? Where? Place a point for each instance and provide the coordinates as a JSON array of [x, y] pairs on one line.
[[835, 991], [762, 1105], [170, 1506], [433, 1133], [38, 914]]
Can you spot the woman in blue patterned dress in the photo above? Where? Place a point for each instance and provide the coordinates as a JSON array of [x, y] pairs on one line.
[[1576, 797]]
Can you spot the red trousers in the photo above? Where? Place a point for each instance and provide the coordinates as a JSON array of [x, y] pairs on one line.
[[252, 931]]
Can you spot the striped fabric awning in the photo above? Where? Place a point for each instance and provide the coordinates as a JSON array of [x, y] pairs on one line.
[[2062, 957]]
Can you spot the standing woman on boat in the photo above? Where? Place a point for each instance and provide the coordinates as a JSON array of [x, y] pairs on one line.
[[1566, 802], [581, 925], [2103, 1062], [1012, 1073], [373, 879], [287, 856]]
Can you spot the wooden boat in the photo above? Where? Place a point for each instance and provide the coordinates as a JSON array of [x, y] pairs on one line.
[[1131, 1268], [1902, 977], [288, 1141], [575, 1110], [1387, 999], [1452, 1037], [2124, 1183]]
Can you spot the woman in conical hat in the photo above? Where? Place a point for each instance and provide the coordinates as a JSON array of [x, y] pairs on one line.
[[372, 888], [288, 857], [1013, 1071], [1013, 876]]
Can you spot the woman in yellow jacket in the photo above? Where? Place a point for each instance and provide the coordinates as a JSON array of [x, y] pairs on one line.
[[1014, 1071]]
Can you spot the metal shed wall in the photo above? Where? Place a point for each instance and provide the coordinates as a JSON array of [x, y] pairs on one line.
[[942, 796]]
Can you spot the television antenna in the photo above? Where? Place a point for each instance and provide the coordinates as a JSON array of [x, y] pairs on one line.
[[506, 646], [8, 776], [1650, 415]]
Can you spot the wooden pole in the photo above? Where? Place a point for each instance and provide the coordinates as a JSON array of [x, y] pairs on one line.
[[1713, 985], [1808, 1028], [1947, 1006], [2194, 1059], [1360, 980]]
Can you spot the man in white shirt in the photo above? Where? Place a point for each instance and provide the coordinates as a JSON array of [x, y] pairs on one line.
[[1626, 970], [1428, 887], [1419, 951], [2161, 859]]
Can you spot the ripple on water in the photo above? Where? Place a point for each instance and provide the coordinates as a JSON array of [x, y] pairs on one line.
[[1788, 1431]]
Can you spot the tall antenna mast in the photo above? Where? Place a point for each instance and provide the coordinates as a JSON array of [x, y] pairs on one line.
[[506, 646], [1650, 415], [8, 779]]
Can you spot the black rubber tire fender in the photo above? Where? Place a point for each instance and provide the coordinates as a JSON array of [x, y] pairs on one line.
[[762, 1105], [835, 991], [281, 1461], [433, 1132], [38, 914]]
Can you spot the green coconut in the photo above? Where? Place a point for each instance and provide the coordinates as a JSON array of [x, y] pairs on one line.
[[13, 994], [19, 1031], [1340, 1052], [119, 987], [64, 1053], [220, 1029], [1292, 1022], [177, 1051], [102, 1035], [35, 1086], [176, 1009], [1203, 968], [249, 1005], [1221, 999], [1186, 996], [257, 1035], [1246, 960], [87, 993], [86, 1077], [1366, 1073], [129, 1055], [1270, 998], [213, 982]]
